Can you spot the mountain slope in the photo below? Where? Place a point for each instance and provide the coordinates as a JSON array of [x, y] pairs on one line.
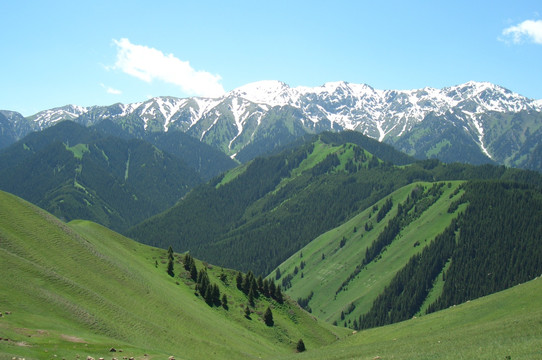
[[79, 173], [207, 161], [432, 249], [259, 117], [505, 325], [259, 214], [330, 268], [80, 289]]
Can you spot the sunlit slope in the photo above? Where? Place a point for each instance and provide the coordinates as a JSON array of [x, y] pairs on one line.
[[326, 267], [81, 289], [504, 325]]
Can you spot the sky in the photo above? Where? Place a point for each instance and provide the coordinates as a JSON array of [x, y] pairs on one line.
[[55, 53]]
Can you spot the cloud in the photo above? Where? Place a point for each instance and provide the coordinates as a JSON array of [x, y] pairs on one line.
[[110, 90], [150, 64], [529, 29]]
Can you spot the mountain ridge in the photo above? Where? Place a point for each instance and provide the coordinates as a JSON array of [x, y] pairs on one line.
[[244, 116]]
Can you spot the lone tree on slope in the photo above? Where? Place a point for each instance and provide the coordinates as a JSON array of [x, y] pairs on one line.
[[170, 262], [268, 317]]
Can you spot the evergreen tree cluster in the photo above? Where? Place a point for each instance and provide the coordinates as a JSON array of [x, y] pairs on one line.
[[416, 203], [494, 244], [209, 291], [254, 287], [500, 242], [304, 302], [407, 291], [384, 209], [257, 220]]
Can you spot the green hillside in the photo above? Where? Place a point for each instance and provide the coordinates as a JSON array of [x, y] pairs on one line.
[[326, 267], [79, 173], [424, 248], [79, 289], [503, 326], [259, 214]]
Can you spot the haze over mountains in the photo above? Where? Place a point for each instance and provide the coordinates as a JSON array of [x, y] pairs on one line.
[[476, 122]]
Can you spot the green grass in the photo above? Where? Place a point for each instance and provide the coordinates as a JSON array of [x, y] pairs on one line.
[[233, 174], [324, 277], [505, 325], [78, 150], [80, 289]]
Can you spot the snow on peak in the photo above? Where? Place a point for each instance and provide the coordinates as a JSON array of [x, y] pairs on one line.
[[271, 92]]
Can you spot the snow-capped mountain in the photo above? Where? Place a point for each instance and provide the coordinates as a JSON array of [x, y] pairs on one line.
[[271, 112]]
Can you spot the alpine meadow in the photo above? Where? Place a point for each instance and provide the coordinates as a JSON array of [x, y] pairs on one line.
[[274, 222]]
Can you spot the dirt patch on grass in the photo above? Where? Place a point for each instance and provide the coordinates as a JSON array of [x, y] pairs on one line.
[[22, 343], [73, 339]]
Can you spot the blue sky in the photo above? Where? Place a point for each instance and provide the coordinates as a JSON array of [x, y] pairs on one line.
[[102, 52]]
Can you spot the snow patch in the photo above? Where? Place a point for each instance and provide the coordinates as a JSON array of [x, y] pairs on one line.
[[479, 127], [240, 114]]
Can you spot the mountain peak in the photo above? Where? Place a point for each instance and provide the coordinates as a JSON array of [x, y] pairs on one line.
[[272, 92]]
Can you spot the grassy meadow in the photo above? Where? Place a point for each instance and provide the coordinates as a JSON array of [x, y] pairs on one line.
[[81, 289], [326, 264]]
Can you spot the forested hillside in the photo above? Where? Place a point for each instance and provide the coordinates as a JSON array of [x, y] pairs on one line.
[[423, 248], [207, 161], [494, 244], [79, 173], [257, 215]]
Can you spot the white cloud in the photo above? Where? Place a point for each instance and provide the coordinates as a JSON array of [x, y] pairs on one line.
[[529, 29], [110, 90], [150, 64]]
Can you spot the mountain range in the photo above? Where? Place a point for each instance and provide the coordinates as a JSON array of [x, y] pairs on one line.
[[476, 122]]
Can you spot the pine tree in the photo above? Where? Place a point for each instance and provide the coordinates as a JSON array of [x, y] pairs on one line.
[[239, 280], [265, 288], [225, 301], [193, 271], [278, 295], [247, 312], [300, 346], [170, 262], [188, 261], [272, 289], [216, 295], [251, 297], [268, 317]]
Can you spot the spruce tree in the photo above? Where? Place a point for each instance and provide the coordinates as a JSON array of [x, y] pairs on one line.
[[278, 295], [268, 317], [188, 261], [272, 289], [193, 271], [239, 280], [300, 346], [170, 262], [216, 295], [265, 288], [225, 301], [251, 297], [247, 312]]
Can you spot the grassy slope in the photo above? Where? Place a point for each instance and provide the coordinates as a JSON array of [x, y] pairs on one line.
[[80, 289], [505, 325], [324, 277]]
